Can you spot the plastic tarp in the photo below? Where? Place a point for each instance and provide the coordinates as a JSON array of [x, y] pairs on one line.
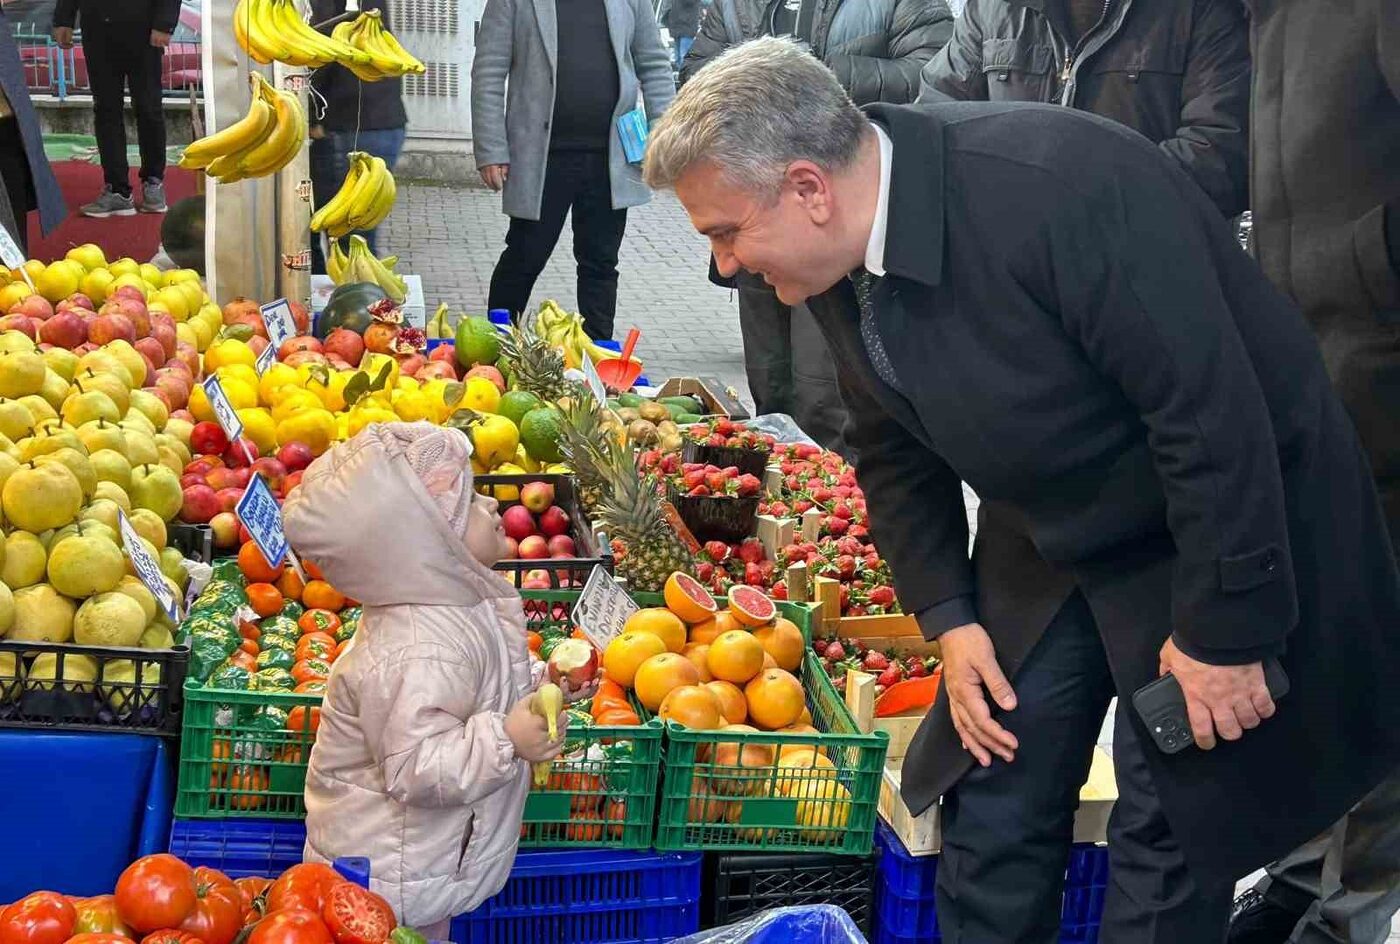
[[781, 427], [809, 924]]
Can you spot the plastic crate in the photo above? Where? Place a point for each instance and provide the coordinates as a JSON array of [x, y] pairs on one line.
[[563, 572], [804, 807], [240, 848], [133, 691], [194, 541], [742, 884], [589, 897], [602, 791], [904, 897]]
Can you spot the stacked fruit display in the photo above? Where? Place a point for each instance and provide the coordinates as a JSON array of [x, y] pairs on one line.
[[538, 529], [363, 200], [840, 656]]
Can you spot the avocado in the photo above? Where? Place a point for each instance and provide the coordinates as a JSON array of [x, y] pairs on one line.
[[630, 400]]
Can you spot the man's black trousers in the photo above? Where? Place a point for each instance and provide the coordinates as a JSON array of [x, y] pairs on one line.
[[119, 55], [1007, 828]]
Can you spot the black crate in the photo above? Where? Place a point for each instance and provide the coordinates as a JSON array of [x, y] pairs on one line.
[[564, 572], [194, 541], [737, 885], [726, 518], [752, 461], [107, 703]]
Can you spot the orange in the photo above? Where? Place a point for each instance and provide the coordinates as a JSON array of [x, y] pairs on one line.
[[731, 701], [769, 662], [627, 652], [736, 656], [704, 806], [320, 595], [694, 706], [290, 585], [783, 641], [660, 674], [775, 699], [696, 652], [688, 599], [806, 760], [264, 598], [312, 570], [661, 623], [255, 566], [740, 768], [806, 716], [711, 629]]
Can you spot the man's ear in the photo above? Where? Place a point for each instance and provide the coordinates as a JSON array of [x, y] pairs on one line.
[[811, 187]]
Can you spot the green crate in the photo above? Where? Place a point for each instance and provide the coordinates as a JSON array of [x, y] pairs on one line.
[[714, 802], [603, 791], [236, 760]]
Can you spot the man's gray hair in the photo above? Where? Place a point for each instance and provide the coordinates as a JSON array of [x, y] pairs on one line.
[[752, 112]]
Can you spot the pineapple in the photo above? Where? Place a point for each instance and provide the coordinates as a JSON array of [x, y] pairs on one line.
[[587, 447], [535, 364], [629, 512]]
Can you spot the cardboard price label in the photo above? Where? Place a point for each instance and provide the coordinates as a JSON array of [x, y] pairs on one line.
[[595, 383], [223, 409], [148, 568], [603, 608], [262, 516], [277, 318]]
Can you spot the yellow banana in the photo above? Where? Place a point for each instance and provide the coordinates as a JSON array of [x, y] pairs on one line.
[[395, 48], [264, 43], [336, 262], [334, 212], [362, 198], [548, 704], [242, 134], [380, 43], [240, 29], [286, 139], [386, 199]]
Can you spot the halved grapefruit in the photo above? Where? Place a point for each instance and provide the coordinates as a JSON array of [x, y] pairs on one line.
[[751, 606], [688, 599]]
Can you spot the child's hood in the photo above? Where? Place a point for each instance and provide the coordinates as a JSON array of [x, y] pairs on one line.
[[364, 514]]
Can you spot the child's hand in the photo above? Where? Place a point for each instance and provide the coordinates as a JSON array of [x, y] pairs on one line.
[[530, 734], [572, 695]]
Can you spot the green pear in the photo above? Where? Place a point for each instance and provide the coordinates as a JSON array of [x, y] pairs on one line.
[[109, 619], [42, 614], [101, 361], [77, 463], [114, 493], [39, 408], [111, 466], [25, 560], [89, 407], [139, 422], [150, 526], [7, 614], [104, 511], [62, 362], [16, 421], [87, 563], [51, 439], [181, 430], [103, 435], [40, 497], [131, 359], [110, 384], [21, 373], [150, 406], [55, 389], [15, 341], [172, 564], [173, 443], [134, 588], [156, 488], [141, 448]]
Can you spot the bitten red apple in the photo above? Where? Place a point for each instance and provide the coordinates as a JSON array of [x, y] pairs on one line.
[[574, 661]]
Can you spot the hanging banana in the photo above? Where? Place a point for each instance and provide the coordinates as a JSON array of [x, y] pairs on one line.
[[362, 202], [260, 143]]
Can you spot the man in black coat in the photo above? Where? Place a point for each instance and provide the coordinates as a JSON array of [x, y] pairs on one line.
[[28, 180], [124, 42], [1038, 302]]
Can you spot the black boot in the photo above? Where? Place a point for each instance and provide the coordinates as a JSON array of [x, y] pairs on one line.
[[1260, 920]]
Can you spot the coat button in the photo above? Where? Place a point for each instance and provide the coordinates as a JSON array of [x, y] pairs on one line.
[[1269, 563]]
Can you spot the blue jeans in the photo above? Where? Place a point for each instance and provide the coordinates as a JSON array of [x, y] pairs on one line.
[[683, 44], [330, 162]]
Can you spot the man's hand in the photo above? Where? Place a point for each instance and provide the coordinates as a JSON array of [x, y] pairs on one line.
[[63, 35], [494, 175], [160, 39], [1228, 699], [969, 664], [316, 132]]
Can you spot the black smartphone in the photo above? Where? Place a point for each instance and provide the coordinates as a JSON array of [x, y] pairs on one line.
[[1162, 707]]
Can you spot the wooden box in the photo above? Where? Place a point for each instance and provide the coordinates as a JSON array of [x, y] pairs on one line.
[[718, 399]]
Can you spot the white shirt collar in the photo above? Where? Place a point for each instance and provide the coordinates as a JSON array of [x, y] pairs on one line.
[[875, 248]]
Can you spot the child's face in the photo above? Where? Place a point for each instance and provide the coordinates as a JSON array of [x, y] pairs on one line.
[[486, 539]]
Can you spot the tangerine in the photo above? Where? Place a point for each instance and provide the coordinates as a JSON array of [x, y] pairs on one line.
[[775, 699], [688, 599], [320, 595], [736, 656], [291, 585], [783, 641], [710, 630], [660, 674], [694, 706], [661, 623], [627, 652], [696, 652], [264, 598], [255, 567], [731, 701]]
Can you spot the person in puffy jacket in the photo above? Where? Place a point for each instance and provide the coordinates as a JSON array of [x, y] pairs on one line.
[[427, 732]]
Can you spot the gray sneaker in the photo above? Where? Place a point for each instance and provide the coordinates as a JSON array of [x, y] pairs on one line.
[[152, 196], [110, 203]]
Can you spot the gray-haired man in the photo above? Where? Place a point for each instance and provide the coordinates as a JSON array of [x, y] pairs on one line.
[[1040, 303]]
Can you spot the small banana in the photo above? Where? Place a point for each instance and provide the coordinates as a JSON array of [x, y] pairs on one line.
[[548, 704]]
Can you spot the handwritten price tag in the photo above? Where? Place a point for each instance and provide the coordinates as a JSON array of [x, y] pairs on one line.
[[148, 568], [277, 318], [603, 608], [260, 514], [223, 409]]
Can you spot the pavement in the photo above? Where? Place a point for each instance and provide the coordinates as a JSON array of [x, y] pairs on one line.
[[453, 236]]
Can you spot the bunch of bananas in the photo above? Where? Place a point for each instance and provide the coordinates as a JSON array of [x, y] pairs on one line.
[[360, 265], [273, 30], [362, 201], [564, 330], [440, 325], [366, 34], [262, 142]]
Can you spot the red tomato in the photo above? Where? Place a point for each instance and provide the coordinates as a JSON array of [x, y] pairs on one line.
[[98, 938], [40, 918], [291, 926], [170, 937], [303, 886], [99, 916], [160, 892], [252, 889], [218, 913], [357, 915]]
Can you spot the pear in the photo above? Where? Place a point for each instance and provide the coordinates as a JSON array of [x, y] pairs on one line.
[[121, 688], [114, 493], [77, 463], [76, 669], [83, 526], [110, 384], [141, 448], [134, 588], [109, 619], [11, 673], [16, 421], [111, 466], [7, 613], [42, 615], [40, 497], [175, 445], [89, 407], [55, 389], [179, 429], [131, 359], [25, 560], [156, 488], [101, 361], [137, 421], [51, 439], [103, 511], [171, 460], [150, 406], [156, 637], [39, 408], [103, 435], [21, 373], [150, 549], [151, 527], [8, 447], [172, 564], [62, 362], [15, 341], [8, 464], [87, 563]]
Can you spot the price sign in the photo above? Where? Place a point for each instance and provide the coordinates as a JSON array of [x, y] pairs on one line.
[[12, 255], [277, 318], [258, 511], [265, 360], [603, 608], [223, 409], [148, 568], [595, 383]]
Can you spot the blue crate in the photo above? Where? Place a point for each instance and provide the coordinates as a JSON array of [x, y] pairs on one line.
[[590, 897], [240, 848], [904, 897]]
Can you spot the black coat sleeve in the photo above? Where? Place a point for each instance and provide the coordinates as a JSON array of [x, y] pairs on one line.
[[1212, 142], [711, 40], [918, 29], [65, 13], [1149, 314], [956, 72], [165, 15]]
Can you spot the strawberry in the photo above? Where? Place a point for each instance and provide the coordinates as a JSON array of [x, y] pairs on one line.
[[730, 471], [716, 482], [704, 571], [837, 525], [717, 550], [890, 676], [750, 551], [779, 590], [842, 510], [917, 669], [716, 440], [794, 553], [835, 651], [699, 491], [819, 645], [749, 484], [876, 661], [778, 509], [846, 566], [693, 477], [882, 596], [753, 576], [802, 506]]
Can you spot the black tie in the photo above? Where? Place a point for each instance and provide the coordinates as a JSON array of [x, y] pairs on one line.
[[864, 282]]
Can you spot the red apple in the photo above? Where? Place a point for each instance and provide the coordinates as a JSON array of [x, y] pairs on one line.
[[272, 471], [490, 373], [225, 527], [574, 661], [104, 329], [189, 354], [127, 291], [185, 415], [79, 300], [298, 343], [242, 476], [153, 350], [537, 496], [512, 549], [192, 478], [561, 545], [203, 465], [345, 344], [410, 366], [21, 323], [134, 309], [200, 505], [292, 480], [176, 390], [295, 456], [533, 547], [163, 330], [64, 329], [554, 521], [517, 522], [221, 478], [34, 306], [241, 454], [228, 498], [208, 439], [162, 396], [535, 580], [301, 317]]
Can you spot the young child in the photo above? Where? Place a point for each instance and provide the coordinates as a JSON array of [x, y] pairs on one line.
[[422, 757]]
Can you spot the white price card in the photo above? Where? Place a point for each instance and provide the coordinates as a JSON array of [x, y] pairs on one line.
[[277, 318], [262, 516], [12, 255], [223, 409], [148, 568], [265, 360], [603, 608], [595, 383]]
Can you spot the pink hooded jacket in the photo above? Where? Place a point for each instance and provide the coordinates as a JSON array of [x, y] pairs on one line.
[[412, 767]]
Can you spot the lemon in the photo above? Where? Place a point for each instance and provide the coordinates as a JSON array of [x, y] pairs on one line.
[[415, 405], [236, 372], [274, 379], [199, 405], [374, 363], [481, 395], [240, 393], [175, 302], [293, 402], [316, 428], [495, 440], [259, 426], [228, 351], [329, 388], [507, 493], [364, 416]]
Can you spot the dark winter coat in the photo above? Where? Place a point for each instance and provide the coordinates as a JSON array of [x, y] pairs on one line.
[[683, 18], [45, 194], [1145, 418], [1177, 71], [1324, 177], [875, 47], [350, 103], [161, 15]]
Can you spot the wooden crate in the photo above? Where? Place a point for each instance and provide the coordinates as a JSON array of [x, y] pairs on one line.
[[718, 399]]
